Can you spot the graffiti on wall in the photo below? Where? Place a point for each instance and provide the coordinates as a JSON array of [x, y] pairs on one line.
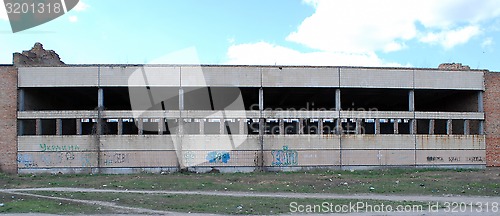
[[58, 148], [218, 157], [455, 159], [116, 158], [285, 157], [55, 159], [26, 160]]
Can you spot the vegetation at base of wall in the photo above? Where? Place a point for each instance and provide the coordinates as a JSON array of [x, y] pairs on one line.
[[25, 204], [391, 181], [218, 204]]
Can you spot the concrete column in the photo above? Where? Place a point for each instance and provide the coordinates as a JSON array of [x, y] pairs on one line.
[[261, 127], [466, 127], [413, 126], [242, 126], [320, 126], [140, 126], [181, 98], [161, 125], [481, 127], [38, 127], [21, 103], [282, 126], [480, 103], [202, 126], [432, 124], [449, 127], [300, 129], [411, 101], [377, 126], [120, 126], [261, 99], [78, 126], [338, 127], [358, 126], [100, 98], [396, 126], [222, 125], [59, 127], [337, 100], [180, 127]]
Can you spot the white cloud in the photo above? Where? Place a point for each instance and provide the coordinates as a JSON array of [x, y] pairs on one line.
[[367, 26], [451, 38], [73, 19], [488, 42], [81, 6], [263, 53], [3, 12]]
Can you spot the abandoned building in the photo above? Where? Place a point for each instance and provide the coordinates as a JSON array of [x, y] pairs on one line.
[[57, 117]]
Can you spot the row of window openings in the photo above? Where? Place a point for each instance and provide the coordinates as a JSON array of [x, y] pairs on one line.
[[251, 126]]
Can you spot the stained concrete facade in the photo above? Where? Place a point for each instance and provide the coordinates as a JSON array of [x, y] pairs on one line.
[[80, 118]]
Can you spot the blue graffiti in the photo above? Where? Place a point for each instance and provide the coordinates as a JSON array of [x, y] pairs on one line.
[[218, 157], [285, 157], [27, 160]]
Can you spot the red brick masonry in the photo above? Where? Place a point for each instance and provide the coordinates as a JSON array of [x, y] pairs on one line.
[[8, 119], [492, 112]]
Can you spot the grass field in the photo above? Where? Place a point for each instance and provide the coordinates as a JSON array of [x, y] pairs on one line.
[[391, 181], [436, 182]]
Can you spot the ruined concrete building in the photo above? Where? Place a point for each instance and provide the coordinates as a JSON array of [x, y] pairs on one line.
[[134, 118]]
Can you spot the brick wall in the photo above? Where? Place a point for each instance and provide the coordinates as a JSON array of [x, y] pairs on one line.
[[8, 119], [492, 112]]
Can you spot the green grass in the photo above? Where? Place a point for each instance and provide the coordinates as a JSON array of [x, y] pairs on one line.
[[214, 204], [27, 204], [390, 181]]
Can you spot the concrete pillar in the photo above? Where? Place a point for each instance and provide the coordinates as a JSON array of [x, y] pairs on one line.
[[180, 127], [300, 129], [120, 126], [359, 126], [481, 127], [78, 126], [202, 126], [466, 127], [396, 126], [377, 126], [222, 125], [338, 126], [480, 103], [320, 126], [432, 124], [100, 98], [413, 126], [282, 126], [20, 97], [337, 100], [242, 126], [140, 126], [411, 101], [161, 125], [449, 127], [181, 98], [38, 127], [59, 127], [261, 127], [261, 99]]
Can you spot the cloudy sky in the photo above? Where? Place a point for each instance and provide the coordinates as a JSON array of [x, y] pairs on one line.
[[395, 33]]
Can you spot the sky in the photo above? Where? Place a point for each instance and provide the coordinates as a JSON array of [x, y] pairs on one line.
[[382, 33]]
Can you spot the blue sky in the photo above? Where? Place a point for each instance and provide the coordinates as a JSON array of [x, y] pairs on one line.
[[400, 33]]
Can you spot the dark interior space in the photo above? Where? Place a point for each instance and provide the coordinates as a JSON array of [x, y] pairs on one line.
[[440, 126], [386, 126], [423, 126], [28, 127], [60, 98], [446, 100], [299, 98], [374, 99], [221, 98], [68, 127]]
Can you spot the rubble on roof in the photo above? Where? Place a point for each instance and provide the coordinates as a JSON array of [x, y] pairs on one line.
[[454, 67], [37, 56]]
